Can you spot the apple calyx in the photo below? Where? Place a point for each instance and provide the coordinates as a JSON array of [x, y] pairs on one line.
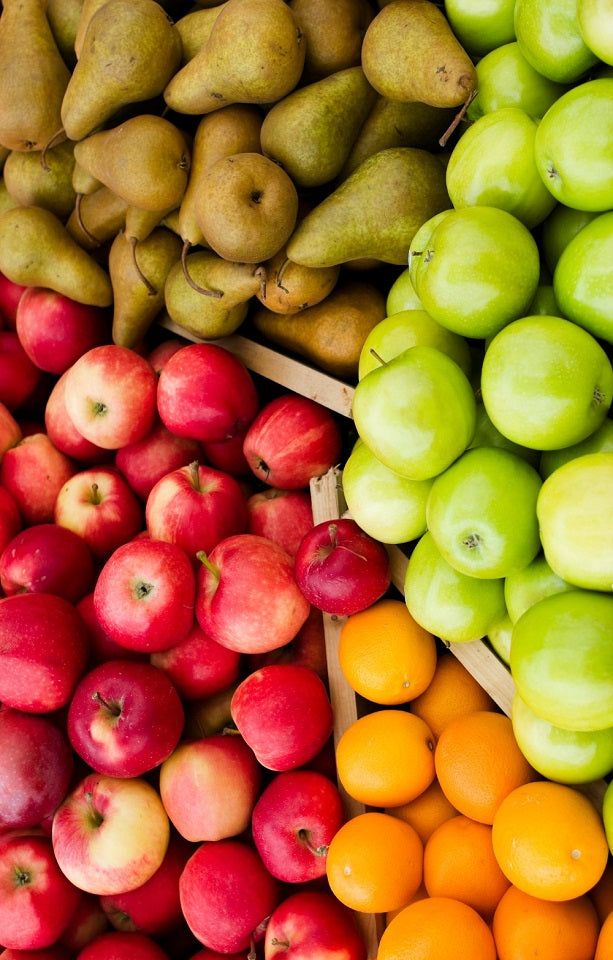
[[471, 541], [598, 397], [22, 876], [99, 408], [201, 555], [321, 851], [280, 943], [142, 589]]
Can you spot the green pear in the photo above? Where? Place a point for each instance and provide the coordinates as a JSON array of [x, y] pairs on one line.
[[82, 180], [375, 212], [130, 50], [96, 218], [88, 9], [36, 250], [194, 28], [43, 180], [6, 200], [64, 17], [33, 77], [333, 34]]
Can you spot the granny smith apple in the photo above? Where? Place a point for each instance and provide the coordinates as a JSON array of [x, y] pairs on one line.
[[409, 328], [388, 507], [499, 637], [567, 756], [481, 25], [575, 513], [525, 587], [596, 26], [544, 301], [549, 37], [599, 441], [562, 659], [492, 164], [562, 224], [401, 295], [607, 814], [421, 240], [476, 271], [487, 435], [572, 146], [416, 412], [451, 605], [583, 277], [546, 383], [506, 79]]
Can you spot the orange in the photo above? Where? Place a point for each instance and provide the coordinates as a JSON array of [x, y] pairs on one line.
[[602, 894], [374, 863], [478, 762], [385, 655], [604, 947], [437, 928], [459, 862], [452, 692], [385, 758], [525, 926], [549, 840], [427, 811]]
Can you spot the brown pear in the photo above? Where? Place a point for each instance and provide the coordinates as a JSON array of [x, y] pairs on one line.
[[333, 34], [88, 9], [97, 217], [194, 28], [34, 179], [6, 200], [64, 17], [290, 287]]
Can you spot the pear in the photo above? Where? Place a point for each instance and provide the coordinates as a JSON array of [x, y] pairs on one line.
[[96, 218], [4, 152], [311, 131], [194, 28], [375, 212], [64, 17], [36, 250], [82, 180], [88, 9], [333, 34], [130, 50], [33, 77], [254, 54], [144, 160], [34, 180], [138, 275], [6, 200], [290, 287]]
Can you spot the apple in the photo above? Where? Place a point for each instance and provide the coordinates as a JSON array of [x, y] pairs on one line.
[[198, 666], [401, 295], [313, 925], [284, 713], [228, 454], [62, 431], [481, 27], [531, 583], [43, 651], [247, 597], [559, 228], [19, 377], [209, 715], [291, 440], [144, 595], [87, 921], [227, 895], [110, 834], [34, 471], [206, 393], [595, 27], [487, 435], [47, 558], [549, 37], [283, 516], [582, 278], [307, 648], [146, 461], [56, 952], [410, 328], [209, 787], [340, 569], [55, 330], [101, 646], [10, 430], [195, 506], [561, 397], [36, 898], [125, 717], [10, 518], [121, 945], [293, 822], [163, 351], [607, 815], [499, 638], [506, 79], [10, 295], [600, 441]]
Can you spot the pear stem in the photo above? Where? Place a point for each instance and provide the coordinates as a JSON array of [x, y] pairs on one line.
[[458, 117], [77, 210], [281, 273], [133, 241], [192, 283], [58, 137], [260, 272]]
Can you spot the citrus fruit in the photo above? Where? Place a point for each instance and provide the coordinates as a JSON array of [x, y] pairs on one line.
[[437, 928], [525, 926]]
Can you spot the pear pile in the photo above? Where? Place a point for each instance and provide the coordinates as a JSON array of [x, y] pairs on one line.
[[225, 160]]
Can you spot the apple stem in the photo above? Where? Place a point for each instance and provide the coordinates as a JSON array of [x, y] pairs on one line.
[[201, 555], [230, 731], [194, 474], [95, 816], [280, 943], [252, 955], [95, 497], [320, 851], [377, 357], [113, 709]]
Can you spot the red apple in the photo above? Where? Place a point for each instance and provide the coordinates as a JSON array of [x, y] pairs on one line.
[[87, 921], [340, 568], [158, 356], [199, 666], [19, 377], [110, 395], [227, 895], [144, 595], [209, 787], [56, 952], [307, 648], [62, 431], [206, 393], [36, 898], [10, 295], [124, 718], [119, 945], [284, 516], [10, 430], [43, 651], [55, 331], [247, 597], [10, 517], [292, 439], [228, 454], [284, 713], [101, 646], [47, 558], [195, 507], [313, 925], [34, 471], [206, 954], [146, 461]]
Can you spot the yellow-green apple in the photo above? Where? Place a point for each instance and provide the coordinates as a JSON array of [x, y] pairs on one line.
[[110, 834], [247, 597], [55, 330], [36, 764], [123, 945], [144, 595], [607, 815], [582, 278], [596, 29], [97, 400], [10, 518], [63, 433], [281, 515], [293, 822], [206, 393], [10, 295], [146, 461], [313, 925], [34, 471], [36, 898], [228, 454], [19, 377], [549, 37], [284, 713], [291, 439], [409, 328], [487, 435], [401, 295], [209, 787], [198, 666], [245, 895], [481, 27], [87, 921], [499, 638], [99, 504], [43, 651], [47, 558], [10, 430], [506, 79], [101, 646], [195, 506], [562, 224], [125, 717], [524, 587], [340, 569]]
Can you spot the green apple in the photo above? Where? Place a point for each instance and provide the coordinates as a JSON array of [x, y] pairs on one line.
[[477, 270], [451, 605], [607, 814], [572, 146], [566, 756], [596, 25], [546, 383], [562, 659], [487, 435], [549, 37], [401, 295], [499, 637], [600, 440], [525, 587], [481, 513], [544, 301], [583, 277], [492, 164], [562, 224], [506, 79], [388, 507], [575, 513], [421, 239], [410, 328], [481, 25], [416, 412]]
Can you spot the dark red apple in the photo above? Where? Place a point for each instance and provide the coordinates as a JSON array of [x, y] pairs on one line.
[[199, 666], [47, 558], [19, 377], [87, 921], [313, 925], [63, 433], [55, 330], [146, 461], [10, 517], [10, 295], [10, 430], [34, 471], [56, 952], [228, 455], [307, 648], [284, 516], [101, 646], [120, 945]]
